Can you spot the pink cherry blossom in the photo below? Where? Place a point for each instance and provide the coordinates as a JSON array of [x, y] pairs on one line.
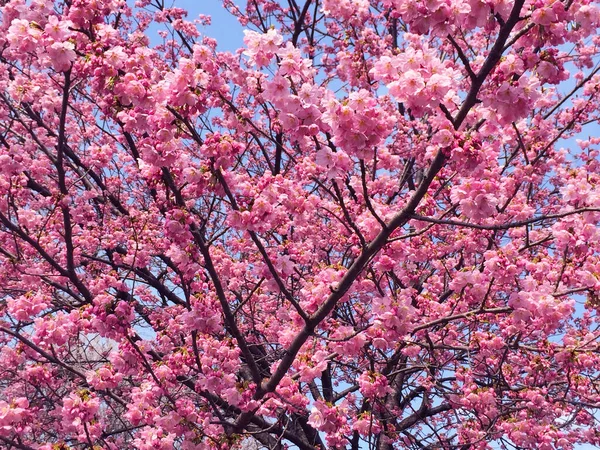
[[375, 224], [61, 55]]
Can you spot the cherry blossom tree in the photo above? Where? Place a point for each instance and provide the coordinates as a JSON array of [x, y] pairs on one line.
[[373, 226]]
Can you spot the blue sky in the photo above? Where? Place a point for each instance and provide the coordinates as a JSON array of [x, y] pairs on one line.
[[225, 28]]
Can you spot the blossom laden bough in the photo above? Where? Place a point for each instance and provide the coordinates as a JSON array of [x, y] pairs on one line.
[[375, 224]]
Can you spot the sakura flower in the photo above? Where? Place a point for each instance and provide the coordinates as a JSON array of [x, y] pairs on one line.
[[325, 417], [151, 438], [62, 54], [23, 36], [476, 199], [373, 385], [11, 413], [262, 47], [115, 57], [58, 29]]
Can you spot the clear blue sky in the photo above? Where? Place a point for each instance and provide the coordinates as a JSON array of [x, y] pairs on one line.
[[225, 28]]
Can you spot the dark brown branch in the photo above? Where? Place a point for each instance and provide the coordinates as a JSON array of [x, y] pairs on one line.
[[489, 64], [502, 226], [463, 58]]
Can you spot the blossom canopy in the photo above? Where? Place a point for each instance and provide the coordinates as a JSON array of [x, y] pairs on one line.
[[374, 225]]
